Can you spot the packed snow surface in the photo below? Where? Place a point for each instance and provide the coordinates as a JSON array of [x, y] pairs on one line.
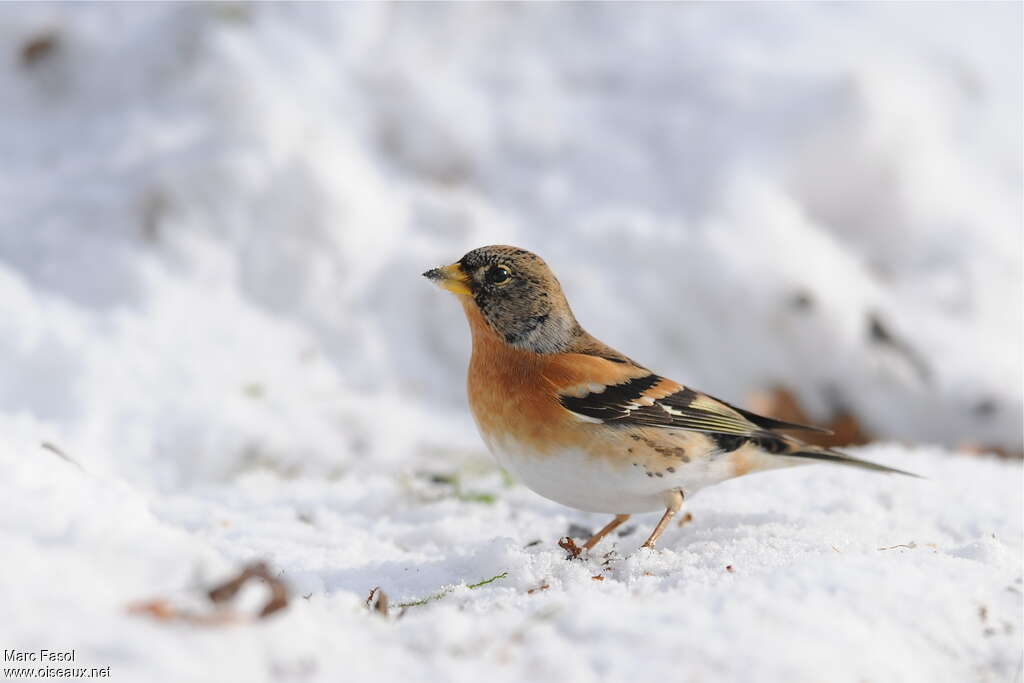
[[212, 222]]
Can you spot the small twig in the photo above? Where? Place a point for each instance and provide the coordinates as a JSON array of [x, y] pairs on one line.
[[487, 581], [445, 591], [423, 601], [278, 591], [46, 445], [163, 610]]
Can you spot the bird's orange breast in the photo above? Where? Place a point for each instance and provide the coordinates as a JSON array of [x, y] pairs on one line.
[[507, 391], [515, 394]]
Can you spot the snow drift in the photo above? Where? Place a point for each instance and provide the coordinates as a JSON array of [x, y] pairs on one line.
[[212, 223]]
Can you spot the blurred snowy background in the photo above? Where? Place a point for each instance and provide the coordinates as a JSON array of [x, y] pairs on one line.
[[213, 218]]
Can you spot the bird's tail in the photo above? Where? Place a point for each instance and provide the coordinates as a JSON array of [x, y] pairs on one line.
[[829, 455]]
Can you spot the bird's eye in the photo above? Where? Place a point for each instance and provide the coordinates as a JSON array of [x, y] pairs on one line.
[[498, 275]]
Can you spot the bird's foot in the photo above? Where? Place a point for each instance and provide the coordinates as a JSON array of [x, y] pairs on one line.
[[570, 547]]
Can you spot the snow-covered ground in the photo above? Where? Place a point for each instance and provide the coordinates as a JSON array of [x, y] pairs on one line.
[[212, 222], [798, 575]]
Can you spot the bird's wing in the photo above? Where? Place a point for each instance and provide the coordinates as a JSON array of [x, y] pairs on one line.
[[616, 393], [613, 392]]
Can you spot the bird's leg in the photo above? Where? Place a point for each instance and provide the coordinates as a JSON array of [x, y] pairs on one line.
[[608, 528], [569, 545], [673, 501]]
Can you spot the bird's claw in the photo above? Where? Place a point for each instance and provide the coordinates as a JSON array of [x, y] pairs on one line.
[[570, 547]]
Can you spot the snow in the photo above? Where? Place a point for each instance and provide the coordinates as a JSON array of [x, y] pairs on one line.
[[212, 222], [798, 575]]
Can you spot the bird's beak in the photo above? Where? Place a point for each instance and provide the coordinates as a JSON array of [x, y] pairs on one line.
[[452, 278]]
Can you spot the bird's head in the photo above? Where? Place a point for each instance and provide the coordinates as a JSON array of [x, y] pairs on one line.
[[515, 293]]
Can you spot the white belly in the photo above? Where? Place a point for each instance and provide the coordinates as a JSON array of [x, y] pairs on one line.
[[579, 480]]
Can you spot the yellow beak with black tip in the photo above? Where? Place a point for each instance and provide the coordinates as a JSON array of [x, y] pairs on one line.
[[452, 278]]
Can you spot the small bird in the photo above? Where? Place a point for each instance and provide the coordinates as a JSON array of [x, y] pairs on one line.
[[585, 426]]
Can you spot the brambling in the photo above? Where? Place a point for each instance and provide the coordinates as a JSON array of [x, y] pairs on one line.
[[585, 426]]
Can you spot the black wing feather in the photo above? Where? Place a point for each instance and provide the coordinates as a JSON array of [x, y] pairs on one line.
[[685, 409], [729, 427], [772, 423]]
